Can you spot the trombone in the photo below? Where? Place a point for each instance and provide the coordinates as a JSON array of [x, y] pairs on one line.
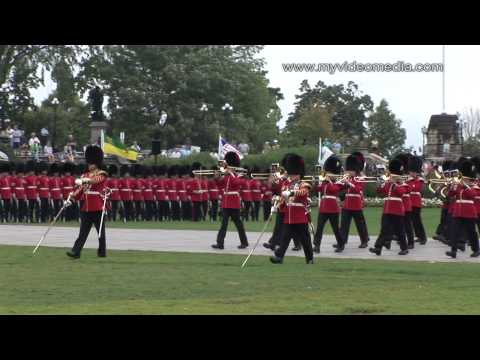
[[222, 165]]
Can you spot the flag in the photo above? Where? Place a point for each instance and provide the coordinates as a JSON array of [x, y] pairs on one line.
[[114, 146], [323, 153], [224, 147]]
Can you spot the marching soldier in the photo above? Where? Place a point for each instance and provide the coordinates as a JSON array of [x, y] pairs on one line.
[[393, 209], [20, 194], [55, 185], [267, 196], [32, 191], [6, 184], [195, 192], [256, 188], [416, 182], [91, 191], [441, 228], [43, 191], [353, 204], [328, 209], [464, 213], [295, 219], [125, 186], [148, 195], [246, 196], [113, 185], [162, 194], [68, 182], [232, 183], [137, 187], [182, 186], [205, 195], [213, 193]]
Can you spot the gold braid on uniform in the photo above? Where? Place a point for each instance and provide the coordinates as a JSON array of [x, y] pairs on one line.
[[97, 176], [304, 189]]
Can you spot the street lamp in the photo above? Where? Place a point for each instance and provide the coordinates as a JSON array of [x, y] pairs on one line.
[[55, 103], [227, 108], [424, 132], [163, 118]]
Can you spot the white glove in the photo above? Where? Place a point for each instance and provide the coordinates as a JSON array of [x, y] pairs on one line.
[[286, 194], [67, 203]]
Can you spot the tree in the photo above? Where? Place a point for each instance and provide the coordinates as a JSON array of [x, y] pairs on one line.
[[347, 105], [384, 127], [471, 125]]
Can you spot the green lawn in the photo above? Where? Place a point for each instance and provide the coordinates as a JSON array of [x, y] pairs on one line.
[[138, 282], [430, 216]]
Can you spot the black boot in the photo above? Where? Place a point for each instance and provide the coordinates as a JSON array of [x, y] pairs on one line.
[[267, 246], [101, 254], [73, 255], [475, 254], [216, 246], [387, 245], [411, 246], [276, 260], [296, 248], [363, 245], [452, 254], [310, 262], [403, 252], [376, 251], [340, 248], [316, 249], [242, 246]]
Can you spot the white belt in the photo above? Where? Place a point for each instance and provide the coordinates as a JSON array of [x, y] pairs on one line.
[[415, 193], [148, 190], [19, 188], [182, 191], [6, 188], [198, 191], [256, 190], [354, 195], [44, 189], [295, 204], [160, 190], [114, 189], [406, 195], [126, 189], [172, 190], [214, 190], [464, 201], [394, 198], [231, 193], [31, 187], [56, 189], [68, 187], [137, 190], [329, 197], [247, 190], [92, 193]]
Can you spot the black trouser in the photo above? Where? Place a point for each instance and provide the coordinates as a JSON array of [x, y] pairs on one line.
[[204, 209], [149, 205], [57, 205], [44, 210], [197, 211], [128, 208], [138, 210], [87, 220], [214, 210], [186, 210], [441, 228], [14, 210], [277, 234], [417, 224], [409, 228], [7, 209], [32, 209], [22, 210], [360, 223], [322, 220], [114, 210], [392, 225], [267, 208], [256, 210], [163, 209], [246, 210], [301, 234], [175, 210], [234, 214], [466, 227]]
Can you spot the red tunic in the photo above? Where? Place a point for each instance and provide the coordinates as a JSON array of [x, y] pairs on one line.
[[55, 185], [213, 191], [114, 186], [354, 196], [393, 204], [182, 189], [171, 187], [328, 195], [267, 192], [43, 187], [282, 185], [31, 187], [68, 182], [256, 188], [6, 185], [126, 189], [416, 193], [137, 186], [19, 183], [194, 189], [93, 197], [205, 195], [160, 191], [231, 196], [296, 206], [464, 202], [406, 198], [148, 194], [246, 192], [477, 197]]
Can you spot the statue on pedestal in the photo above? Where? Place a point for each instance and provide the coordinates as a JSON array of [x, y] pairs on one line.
[[95, 98]]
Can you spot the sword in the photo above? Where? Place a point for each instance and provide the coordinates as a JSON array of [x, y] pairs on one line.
[[106, 194], [52, 223], [274, 209]]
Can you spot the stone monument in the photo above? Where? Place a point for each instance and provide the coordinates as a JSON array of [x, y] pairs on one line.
[[95, 98], [444, 140]]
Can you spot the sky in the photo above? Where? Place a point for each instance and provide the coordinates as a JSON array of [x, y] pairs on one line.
[[413, 97]]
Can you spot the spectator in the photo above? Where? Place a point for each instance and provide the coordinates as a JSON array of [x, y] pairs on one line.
[[34, 145], [48, 151], [72, 144], [16, 137], [244, 148], [44, 136], [9, 132]]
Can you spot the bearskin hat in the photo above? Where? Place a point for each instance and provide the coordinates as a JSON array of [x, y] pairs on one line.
[[54, 169], [404, 158], [12, 165], [447, 165], [173, 170], [136, 170], [294, 164], [81, 169], [256, 169], [232, 159], [467, 168], [124, 169], [30, 166], [162, 170], [355, 162], [196, 166], [41, 167], [185, 170], [112, 170], [94, 155], [476, 162], [69, 167], [333, 165], [4, 167], [20, 167], [415, 164], [396, 166], [147, 171]]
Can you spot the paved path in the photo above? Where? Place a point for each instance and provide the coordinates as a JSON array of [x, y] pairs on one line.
[[200, 241]]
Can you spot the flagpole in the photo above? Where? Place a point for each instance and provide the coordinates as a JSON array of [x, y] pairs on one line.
[[319, 150], [219, 146], [102, 138]]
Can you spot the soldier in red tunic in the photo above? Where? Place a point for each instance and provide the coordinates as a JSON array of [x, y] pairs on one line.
[[205, 195], [232, 184], [465, 213], [214, 194], [55, 185], [113, 185], [148, 195], [246, 196], [256, 188], [6, 191], [296, 214], [43, 191], [91, 191], [68, 183], [137, 187], [194, 189], [328, 209], [417, 183], [267, 195], [20, 195], [126, 193], [393, 209], [161, 194], [173, 196], [182, 190], [31, 190], [353, 204]]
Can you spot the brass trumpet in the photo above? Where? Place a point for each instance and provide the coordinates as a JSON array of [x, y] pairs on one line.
[[222, 165], [206, 172], [323, 176]]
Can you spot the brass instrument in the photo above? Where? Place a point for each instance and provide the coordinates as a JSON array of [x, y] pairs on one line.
[[206, 172], [324, 176]]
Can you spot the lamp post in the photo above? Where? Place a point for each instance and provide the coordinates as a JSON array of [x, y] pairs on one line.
[[424, 133], [3, 104], [55, 103], [227, 109]]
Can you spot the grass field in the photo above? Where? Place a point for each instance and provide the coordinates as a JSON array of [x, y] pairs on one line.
[[430, 216], [134, 282]]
